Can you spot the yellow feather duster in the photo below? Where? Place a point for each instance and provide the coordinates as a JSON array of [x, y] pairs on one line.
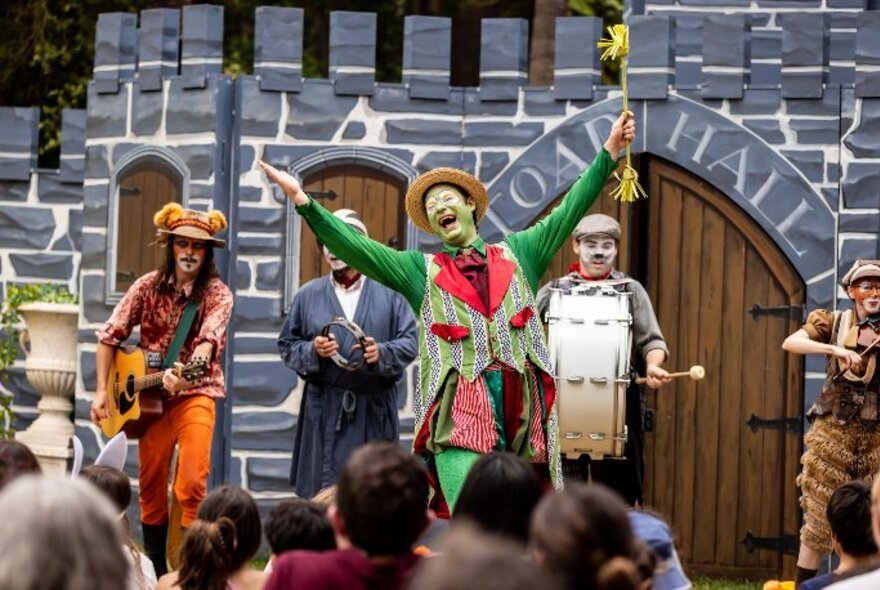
[[217, 221], [170, 213]]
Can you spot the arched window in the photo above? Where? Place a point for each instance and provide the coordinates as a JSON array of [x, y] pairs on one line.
[[144, 180]]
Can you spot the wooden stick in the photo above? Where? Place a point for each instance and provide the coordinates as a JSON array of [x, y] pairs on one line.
[[696, 373]]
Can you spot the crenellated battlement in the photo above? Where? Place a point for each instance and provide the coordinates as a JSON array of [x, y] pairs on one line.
[[720, 48]]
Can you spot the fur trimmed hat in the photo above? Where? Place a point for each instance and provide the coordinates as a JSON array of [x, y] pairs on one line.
[[174, 219]]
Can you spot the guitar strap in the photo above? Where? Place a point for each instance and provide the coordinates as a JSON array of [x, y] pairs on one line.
[[180, 336]]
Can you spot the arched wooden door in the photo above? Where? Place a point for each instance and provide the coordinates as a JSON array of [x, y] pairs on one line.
[[377, 197], [705, 264]]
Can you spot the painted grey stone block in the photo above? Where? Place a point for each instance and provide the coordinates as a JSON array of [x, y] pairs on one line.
[[260, 219], [97, 165], [250, 193], [278, 48], [423, 131], [317, 112], [95, 205], [768, 129], [73, 145], [42, 266], [576, 67], [146, 110], [861, 186], [724, 48], [829, 106], [258, 313], [815, 131], [466, 161], [121, 149], [26, 227], [94, 248], [865, 140], [427, 54], [804, 44], [501, 134], [504, 47], [22, 390], [268, 474], [246, 157], [74, 228], [198, 158], [285, 155], [354, 130], [233, 476], [394, 98], [260, 245], [540, 102], [52, 190], [474, 104], [832, 171], [868, 55], [352, 61], [270, 275], [158, 47], [18, 142], [88, 366], [491, 163], [201, 44], [654, 50], [92, 297], [256, 345], [23, 420], [13, 191], [89, 439], [106, 113], [852, 249], [766, 44], [242, 275], [115, 50], [260, 111], [708, 3], [846, 3], [765, 75], [811, 163], [858, 222], [263, 431], [191, 110]]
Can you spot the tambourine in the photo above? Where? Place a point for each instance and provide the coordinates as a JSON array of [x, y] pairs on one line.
[[355, 331]]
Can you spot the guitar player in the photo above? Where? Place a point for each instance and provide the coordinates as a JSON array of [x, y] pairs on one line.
[[184, 290]]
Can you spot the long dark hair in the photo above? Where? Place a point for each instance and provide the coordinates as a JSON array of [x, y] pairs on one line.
[[499, 495], [207, 271], [225, 536]]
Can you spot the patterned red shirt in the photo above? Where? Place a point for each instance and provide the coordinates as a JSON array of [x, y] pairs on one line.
[[158, 315]]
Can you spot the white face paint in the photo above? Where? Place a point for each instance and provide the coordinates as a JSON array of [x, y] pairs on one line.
[[335, 264], [866, 293], [189, 254], [596, 254]]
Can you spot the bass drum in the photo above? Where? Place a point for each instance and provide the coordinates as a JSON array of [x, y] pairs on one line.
[[590, 339]]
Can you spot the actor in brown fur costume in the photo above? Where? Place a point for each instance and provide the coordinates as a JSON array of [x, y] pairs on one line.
[[843, 443]]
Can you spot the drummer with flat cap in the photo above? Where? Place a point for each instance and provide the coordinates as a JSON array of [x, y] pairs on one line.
[[595, 240]]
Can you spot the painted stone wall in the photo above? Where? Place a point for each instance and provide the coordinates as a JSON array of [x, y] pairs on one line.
[[773, 104]]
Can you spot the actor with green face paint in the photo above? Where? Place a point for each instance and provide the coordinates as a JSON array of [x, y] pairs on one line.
[[485, 378]]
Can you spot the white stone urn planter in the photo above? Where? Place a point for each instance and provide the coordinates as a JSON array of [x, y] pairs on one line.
[[49, 343]]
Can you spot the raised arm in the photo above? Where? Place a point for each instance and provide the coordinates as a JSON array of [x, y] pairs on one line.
[[393, 268], [536, 246]]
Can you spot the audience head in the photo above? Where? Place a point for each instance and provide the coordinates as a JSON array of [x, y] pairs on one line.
[[225, 536], [466, 557], [59, 533], [583, 535], [849, 515], [113, 483], [653, 534], [299, 524], [381, 500], [499, 495], [325, 497], [15, 460]]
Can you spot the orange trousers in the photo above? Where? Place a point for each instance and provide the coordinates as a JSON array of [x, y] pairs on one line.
[[188, 422]]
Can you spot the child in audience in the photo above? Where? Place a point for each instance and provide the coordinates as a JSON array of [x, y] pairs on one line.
[[115, 486], [499, 495], [582, 535], [298, 524], [15, 459], [218, 546], [381, 509]]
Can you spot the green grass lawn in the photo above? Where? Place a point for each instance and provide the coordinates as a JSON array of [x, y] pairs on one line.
[[712, 584]]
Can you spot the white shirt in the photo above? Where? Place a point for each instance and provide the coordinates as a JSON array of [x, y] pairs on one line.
[[868, 581], [348, 298]]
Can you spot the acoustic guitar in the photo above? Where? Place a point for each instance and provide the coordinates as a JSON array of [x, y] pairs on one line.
[[134, 389]]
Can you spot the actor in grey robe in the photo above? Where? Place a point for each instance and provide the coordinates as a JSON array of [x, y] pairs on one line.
[[341, 410]]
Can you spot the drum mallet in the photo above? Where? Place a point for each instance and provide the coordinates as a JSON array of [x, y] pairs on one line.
[[696, 373]]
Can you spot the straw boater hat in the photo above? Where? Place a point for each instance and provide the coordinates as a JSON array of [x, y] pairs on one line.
[[174, 219], [861, 269], [470, 186]]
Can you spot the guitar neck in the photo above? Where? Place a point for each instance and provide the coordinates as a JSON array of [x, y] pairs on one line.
[[148, 381]]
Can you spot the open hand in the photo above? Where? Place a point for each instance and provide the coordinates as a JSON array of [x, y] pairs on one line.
[[288, 183], [622, 133]]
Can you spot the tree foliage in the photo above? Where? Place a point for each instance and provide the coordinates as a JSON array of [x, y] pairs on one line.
[[47, 46]]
